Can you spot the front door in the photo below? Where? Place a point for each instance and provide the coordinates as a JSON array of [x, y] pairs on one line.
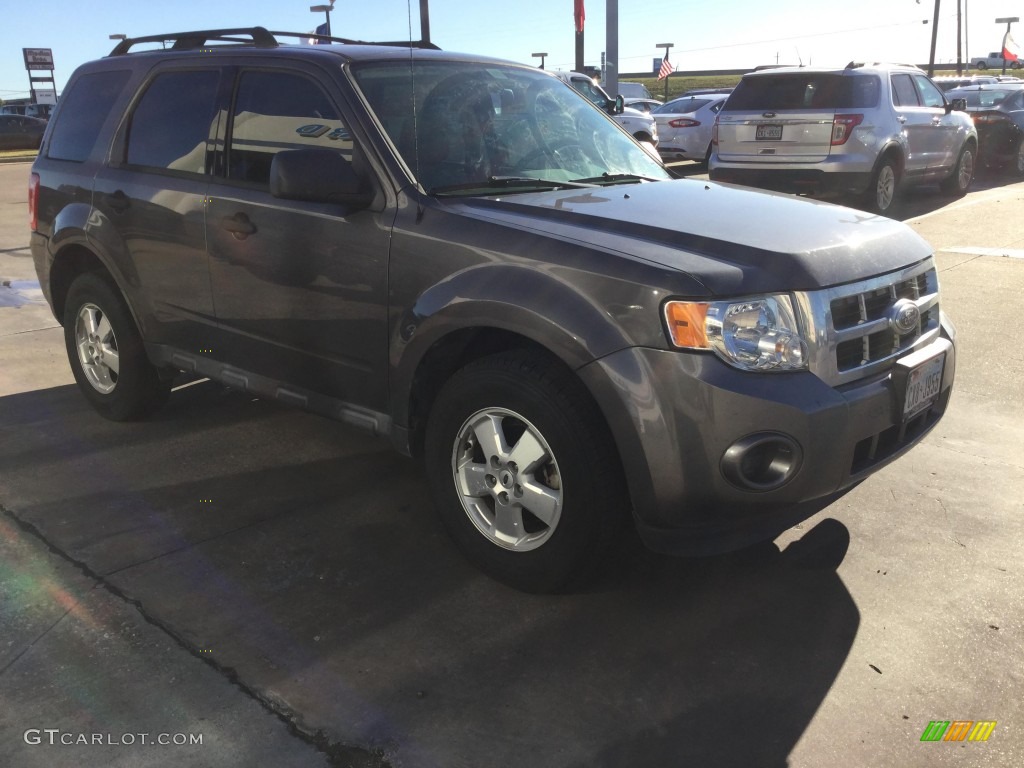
[[300, 288]]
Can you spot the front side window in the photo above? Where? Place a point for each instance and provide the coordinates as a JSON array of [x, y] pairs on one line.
[[930, 94], [276, 111], [173, 121], [471, 128]]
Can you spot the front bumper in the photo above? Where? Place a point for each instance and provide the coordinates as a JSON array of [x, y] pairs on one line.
[[675, 415]]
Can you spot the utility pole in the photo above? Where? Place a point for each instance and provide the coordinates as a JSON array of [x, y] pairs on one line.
[[611, 83], [935, 32]]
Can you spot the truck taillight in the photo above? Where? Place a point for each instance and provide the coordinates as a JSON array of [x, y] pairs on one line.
[[842, 128], [714, 133], [33, 202]]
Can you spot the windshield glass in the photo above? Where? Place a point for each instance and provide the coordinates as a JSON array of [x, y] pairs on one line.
[[468, 127]]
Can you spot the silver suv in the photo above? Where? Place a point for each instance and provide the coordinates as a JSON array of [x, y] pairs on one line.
[[863, 130]]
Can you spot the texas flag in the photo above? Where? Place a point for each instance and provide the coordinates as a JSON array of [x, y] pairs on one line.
[[579, 15], [1011, 51]]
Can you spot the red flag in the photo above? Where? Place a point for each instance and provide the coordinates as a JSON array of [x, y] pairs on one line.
[[666, 69], [1011, 51], [579, 15]]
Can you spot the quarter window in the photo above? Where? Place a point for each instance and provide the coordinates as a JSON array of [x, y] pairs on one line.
[[173, 121], [275, 111], [84, 109]]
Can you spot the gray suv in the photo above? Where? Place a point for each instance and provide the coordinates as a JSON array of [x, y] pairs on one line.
[[466, 256], [862, 131]]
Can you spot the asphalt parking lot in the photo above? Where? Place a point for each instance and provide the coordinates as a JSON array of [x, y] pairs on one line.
[[278, 584]]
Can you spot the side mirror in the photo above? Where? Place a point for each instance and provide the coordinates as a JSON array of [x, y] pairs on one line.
[[620, 105], [958, 105], [318, 176]]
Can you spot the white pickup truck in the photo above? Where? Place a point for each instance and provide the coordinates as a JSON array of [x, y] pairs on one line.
[[994, 61]]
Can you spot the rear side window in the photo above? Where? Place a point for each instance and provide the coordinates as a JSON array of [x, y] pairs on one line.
[[172, 121], [811, 90], [84, 108], [904, 94]]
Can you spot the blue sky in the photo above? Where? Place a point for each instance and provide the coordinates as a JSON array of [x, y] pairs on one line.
[[737, 33]]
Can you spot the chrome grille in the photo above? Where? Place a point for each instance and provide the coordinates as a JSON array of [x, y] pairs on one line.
[[853, 336]]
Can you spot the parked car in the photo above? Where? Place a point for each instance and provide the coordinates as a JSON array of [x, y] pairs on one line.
[[636, 122], [634, 91], [42, 111], [467, 257], [644, 105], [862, 131], [949, 82], [685, 125], [998, 114], [17, 132], [994, 60]]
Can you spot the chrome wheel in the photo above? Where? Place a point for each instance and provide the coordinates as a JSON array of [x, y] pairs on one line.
[[507, 479], [885, 187], [97, 348], [965, 171]]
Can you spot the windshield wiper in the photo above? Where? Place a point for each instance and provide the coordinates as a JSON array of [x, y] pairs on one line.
[[513, 182], [616, 178]]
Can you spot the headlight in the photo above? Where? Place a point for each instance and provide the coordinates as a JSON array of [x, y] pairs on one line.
[[755, 334]]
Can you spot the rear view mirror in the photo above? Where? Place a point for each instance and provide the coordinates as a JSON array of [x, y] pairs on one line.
[[318, 176], [619, 105], [959, 105]]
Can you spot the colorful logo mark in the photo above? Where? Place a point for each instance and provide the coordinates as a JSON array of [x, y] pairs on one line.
[[958, 730]]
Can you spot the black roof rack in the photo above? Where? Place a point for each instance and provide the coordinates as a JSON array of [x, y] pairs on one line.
[[257, 37]]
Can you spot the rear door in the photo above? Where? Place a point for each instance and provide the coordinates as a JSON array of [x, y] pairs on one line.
[[778, 118]]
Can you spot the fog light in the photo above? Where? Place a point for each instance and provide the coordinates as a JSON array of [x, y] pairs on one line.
[[762, 462]]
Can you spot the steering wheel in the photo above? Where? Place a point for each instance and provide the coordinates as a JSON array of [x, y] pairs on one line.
[[552, 150]]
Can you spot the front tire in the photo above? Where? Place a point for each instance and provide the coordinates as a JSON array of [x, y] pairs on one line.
[[523, 471], [106, 352], [960, 179]]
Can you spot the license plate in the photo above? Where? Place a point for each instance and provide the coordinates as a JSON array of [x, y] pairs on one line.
[[768, 133], [923, 386]]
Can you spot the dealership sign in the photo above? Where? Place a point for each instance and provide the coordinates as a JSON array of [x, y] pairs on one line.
[[38, 58]]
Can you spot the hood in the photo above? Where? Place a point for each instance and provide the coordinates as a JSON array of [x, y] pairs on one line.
[[731, 239]]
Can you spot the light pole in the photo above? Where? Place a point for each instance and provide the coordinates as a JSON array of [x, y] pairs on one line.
[[664, 58], [1008, 20], [326, 10], [541, 57]]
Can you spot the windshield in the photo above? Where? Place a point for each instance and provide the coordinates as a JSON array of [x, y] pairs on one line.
[[467, 127]]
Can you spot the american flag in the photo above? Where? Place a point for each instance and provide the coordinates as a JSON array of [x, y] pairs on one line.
[[666, 69]]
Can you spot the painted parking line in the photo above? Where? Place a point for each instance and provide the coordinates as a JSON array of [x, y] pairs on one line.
[[1009, 253]]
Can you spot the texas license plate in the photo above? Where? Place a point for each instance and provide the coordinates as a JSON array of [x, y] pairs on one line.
[[923, 385], [768, 132]]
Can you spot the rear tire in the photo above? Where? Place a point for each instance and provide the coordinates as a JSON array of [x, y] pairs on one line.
[[523, 471], [882, 194], [960, 179], [106, 352]]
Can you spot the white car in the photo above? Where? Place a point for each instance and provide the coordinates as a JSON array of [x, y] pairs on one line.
[[640, 124], [685, 125]]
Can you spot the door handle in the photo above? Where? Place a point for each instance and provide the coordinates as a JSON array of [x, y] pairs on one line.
[[902, 119], [118, 201], [238, 225]]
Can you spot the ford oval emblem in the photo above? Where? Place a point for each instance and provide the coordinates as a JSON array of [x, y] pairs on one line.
[[904, 317]]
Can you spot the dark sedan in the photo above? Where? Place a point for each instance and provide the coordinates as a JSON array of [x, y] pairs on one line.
[[19, 132], [998, 114]]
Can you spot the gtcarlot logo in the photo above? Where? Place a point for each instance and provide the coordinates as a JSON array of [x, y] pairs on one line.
[[57, 737]]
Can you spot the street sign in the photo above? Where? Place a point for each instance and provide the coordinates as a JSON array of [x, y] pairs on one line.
[[46, 96], [38, 58]]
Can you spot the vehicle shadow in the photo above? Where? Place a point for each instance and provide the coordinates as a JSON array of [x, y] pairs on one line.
[[306, 562]]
